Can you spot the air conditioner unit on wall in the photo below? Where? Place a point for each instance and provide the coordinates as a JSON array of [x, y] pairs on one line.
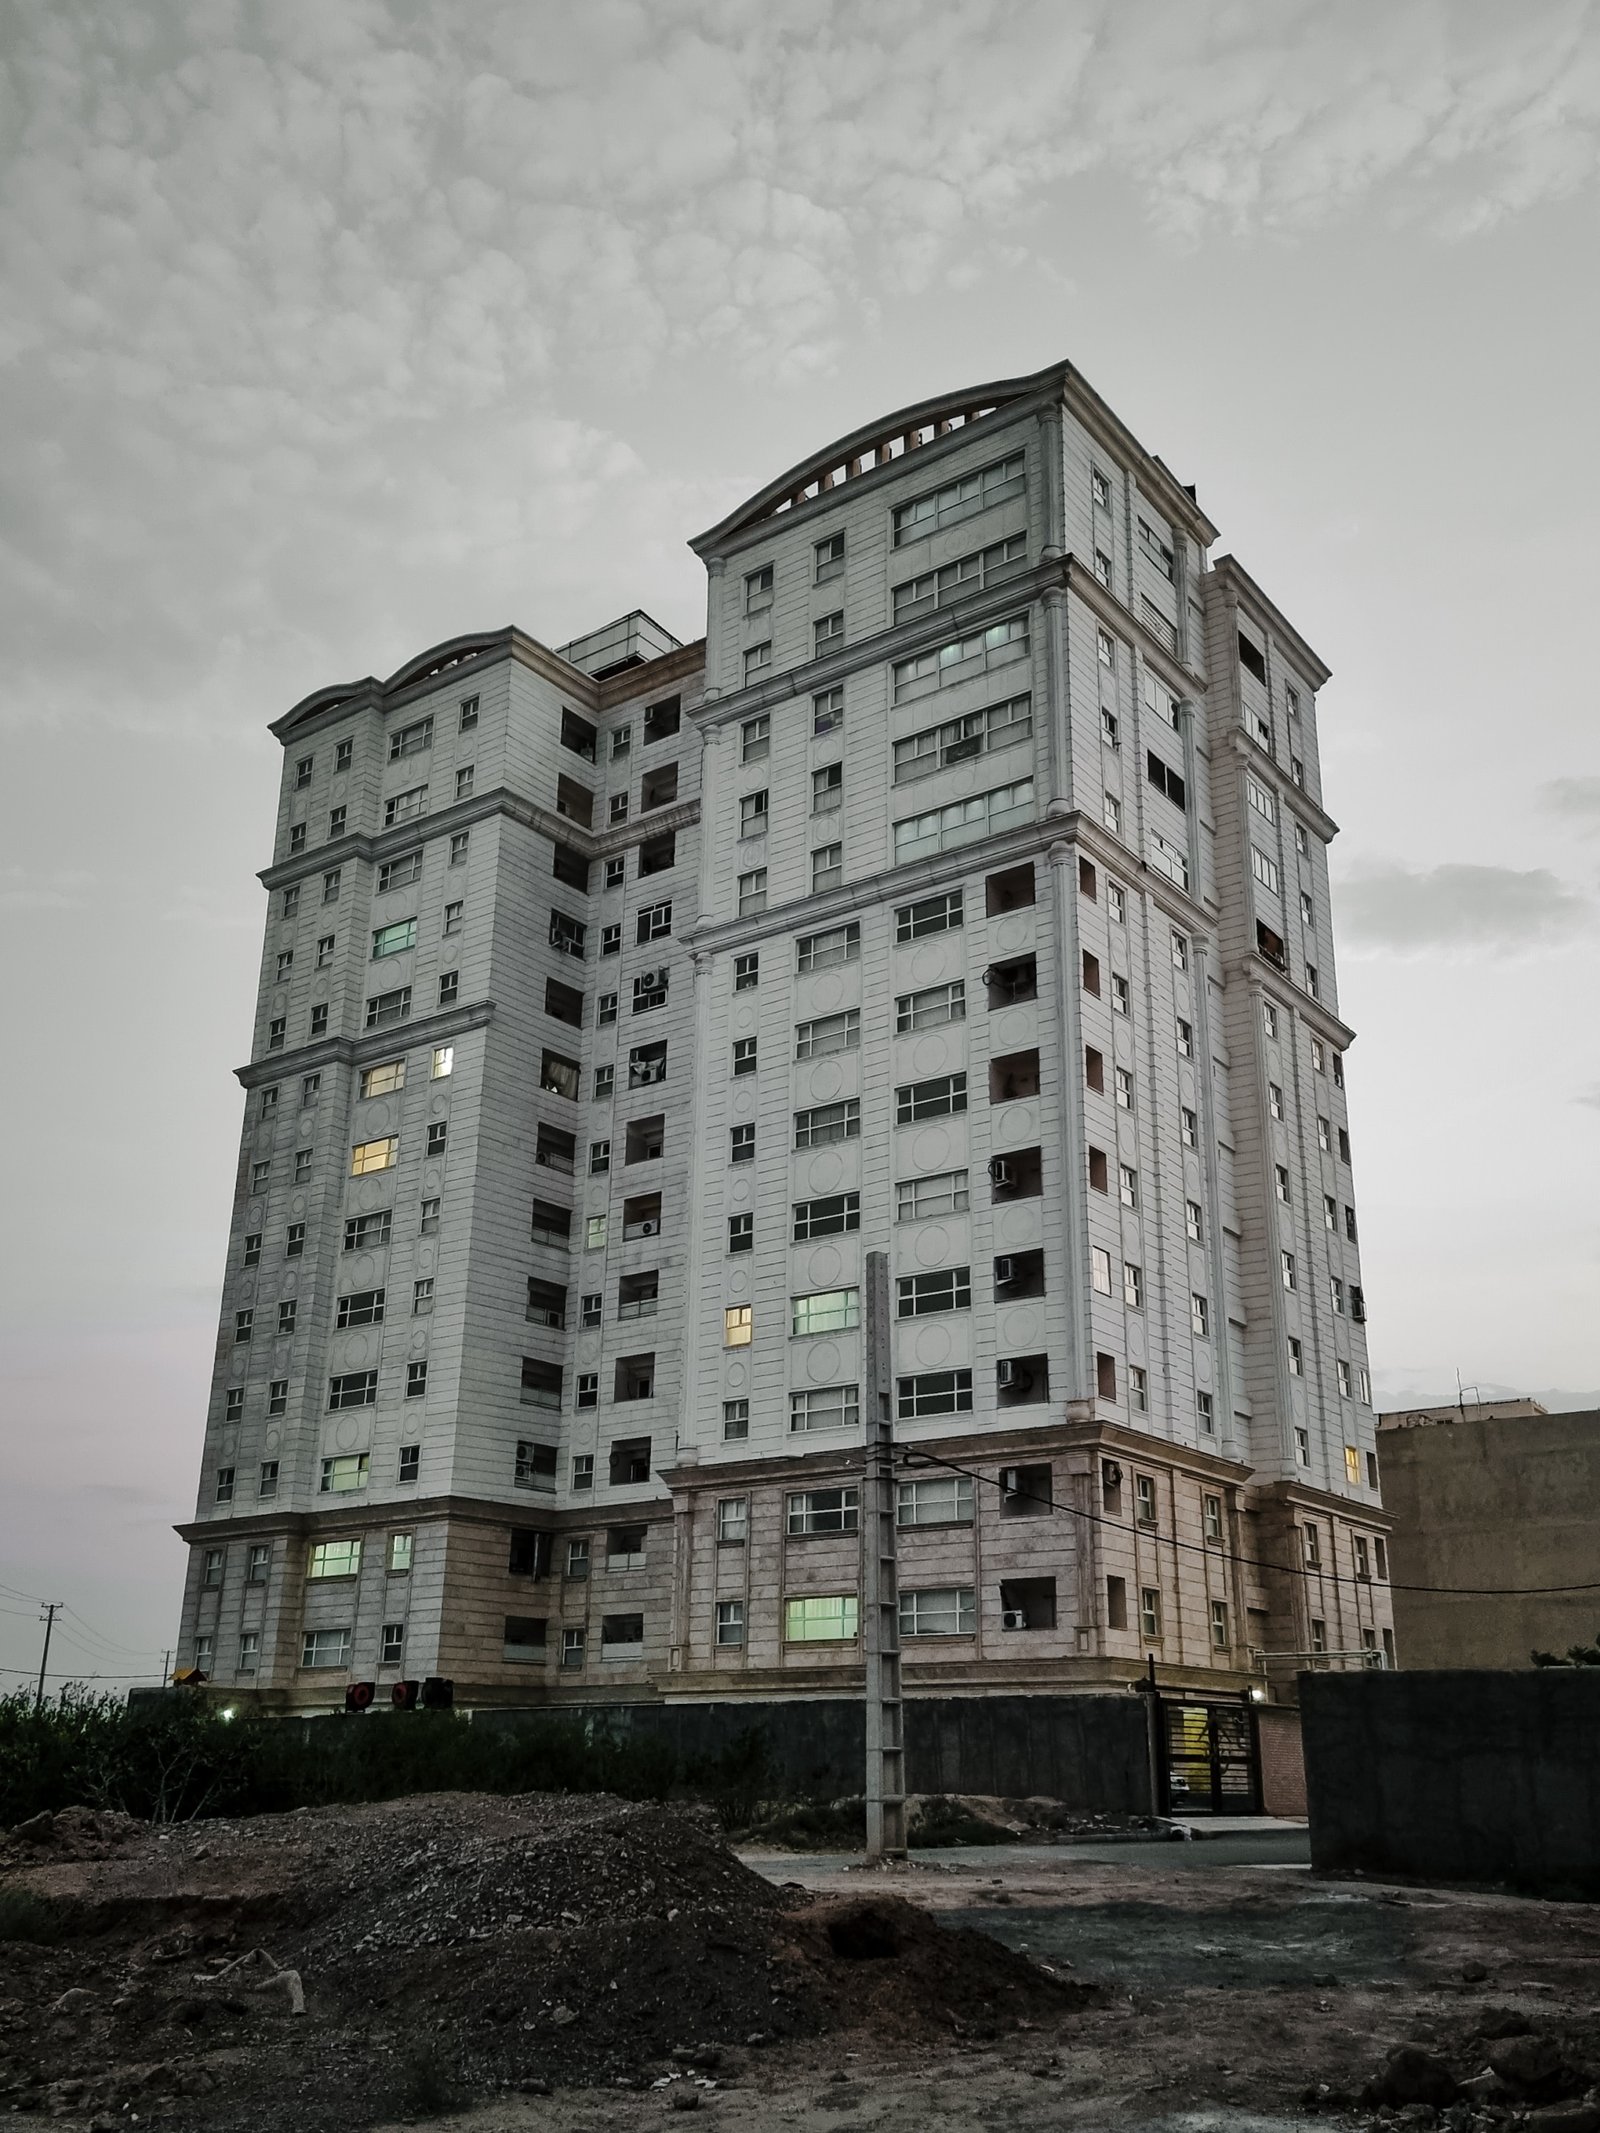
[[648, 1229], [1110, 1474], [1001, 1170], [1013, 1618], [1004, 1273]]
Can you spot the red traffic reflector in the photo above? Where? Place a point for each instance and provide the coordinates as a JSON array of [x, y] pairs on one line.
[[359, 1694], [405, 1695]]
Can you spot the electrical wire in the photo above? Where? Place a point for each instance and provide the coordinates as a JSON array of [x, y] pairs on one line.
[[915, 1455]]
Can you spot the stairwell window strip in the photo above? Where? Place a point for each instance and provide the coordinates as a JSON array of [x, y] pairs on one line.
[[963, 822], [960, 499], [961, 659], [959, 740]]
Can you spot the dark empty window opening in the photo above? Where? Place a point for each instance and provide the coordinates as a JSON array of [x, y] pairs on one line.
[[1010, 891], [1094, 1068], [625, 1546], [547, 1304], [541, 1383], [551, 1225], [524, 1637], [647, 1063], [646, 1137], [1007, 983], [641, 1216], [637, 1294], [1013, 1076], [1270, 945], [1017, 1175], [630, 1456], [530, 1553], [1018, 1274], [575, 801], [656, 854], [1165, 779], [571, 867], [1099, 1173], [564, 1002], [658, 788], [1086, 880], [1021, 1381], [1116, 1603], [1026, 1492], [1253, 661], [1028, 1603], [555, 1150], [558, 1076], [622, 1633], [1091, 974], [578, 735], [1105, 1376], [1111, 1487], [661, 721]]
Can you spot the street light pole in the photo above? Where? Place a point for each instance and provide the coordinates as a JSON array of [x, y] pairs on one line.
[[52, 1609], [880, 1593]]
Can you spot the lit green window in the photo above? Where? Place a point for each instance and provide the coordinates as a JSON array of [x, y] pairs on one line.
[[826, 1618]]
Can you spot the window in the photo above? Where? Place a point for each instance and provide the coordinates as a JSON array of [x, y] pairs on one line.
[[959, 499], [943, 1097], [827, 633], [1302, 1447], [824, 951], [942, 1500], [405, 806], [940, 1611], [1364, 1380], [747, 971], [458, 852], [1111, 813], [838, 1215], [963, 821], [757, 658], [1343, 1369], [944, 1193], [416, 1380], [297, 838], [828, 559], [828, 1033], [211, 1570], [573, 1641], [558, 1076], [398, 873], [1264, 869], [954, 581], [386, 1008], [368, 1233], [744, 1055], [825, 1311], [1100, 489], [741, 1233], [1194, 1221], [758, 589], [920, 1295], [605, 1009], [325, 1648], [534, 1466], [1330, 1211], [1144, 1499], [730, 1622], [588, 1395], [1199, 1316], [363, 1307], [449, 988], [825, 1618], [368, 1156], [827, 867], [336, 822], [1205, 1414], [1221, 1636], [735, 1420], [1119, 994], [1336, 1294], [225, 1484], [742, 1144], [1275, 1101], [811, 1511], [736, 1326], [824, 1123], [755, 739], [1149, 1612], [1132, 1286], [1296, 1358], [285, 965], [1189, 1127], [647, 1064], [1286, 1269], [827, 711], [933, 1392], [422, 1297], [438, 1134], [278, 1029], [345, 1472], [963, 659], [1165, 779], [825, 1407], [302, 772], [733, 1521], [1124, 1088]]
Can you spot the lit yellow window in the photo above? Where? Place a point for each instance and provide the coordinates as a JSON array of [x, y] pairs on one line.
[[335, 1559], [374, 1155], [1352, 1466], [827, 1618], [444, 1061], [736, 1326], [400, 1551], [384, 1080]]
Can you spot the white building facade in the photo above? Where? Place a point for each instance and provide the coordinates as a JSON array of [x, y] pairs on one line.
[[963, 896]]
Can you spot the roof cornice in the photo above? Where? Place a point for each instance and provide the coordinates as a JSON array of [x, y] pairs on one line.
[[1246, 593]]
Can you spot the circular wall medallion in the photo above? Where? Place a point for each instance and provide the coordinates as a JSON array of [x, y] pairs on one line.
[[738, 1282], [1014, 1030], [824, 1267], [1180, 992], [297, 1205], [360, 1351], [826, 1081], [826, 993], [824, 1173], [1017, 1125], [742, 1099], [347, 1433], [735, 1377], [930, 1055], [931, 1346], [1202, 1365], [441, 1104], [271, 1439], [419, 1339], [427, 1257], [933, 1244], [744, 1020], [739, 1191], [363, 1271], [930, 1149], [369, 1195], [1016, 1225], [375, 1121], [822, 1363], [1020, 1330], [927, 963], [1010, 934]]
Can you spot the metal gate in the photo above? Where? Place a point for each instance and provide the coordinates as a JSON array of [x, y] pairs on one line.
[[1211, 1761]]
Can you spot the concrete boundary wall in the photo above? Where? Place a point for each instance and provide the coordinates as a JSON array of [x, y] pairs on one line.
[[1457, 1776], [1089, 1752]]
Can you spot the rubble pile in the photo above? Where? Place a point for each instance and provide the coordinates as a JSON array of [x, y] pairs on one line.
[[336, 1966]]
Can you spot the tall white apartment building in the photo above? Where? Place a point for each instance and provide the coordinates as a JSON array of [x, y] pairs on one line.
[[963, 896]]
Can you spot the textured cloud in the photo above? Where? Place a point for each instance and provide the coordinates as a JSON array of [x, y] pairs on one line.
[[1459, 908], [299, 299], [1576, 798]]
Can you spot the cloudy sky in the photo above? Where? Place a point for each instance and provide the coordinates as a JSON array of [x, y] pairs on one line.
[[329, 331]]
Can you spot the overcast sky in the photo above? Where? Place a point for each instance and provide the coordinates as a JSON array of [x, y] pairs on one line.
[[328, 331]]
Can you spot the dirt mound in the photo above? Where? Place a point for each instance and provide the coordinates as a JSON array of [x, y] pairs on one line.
[[444, 1946], [72, 1833]]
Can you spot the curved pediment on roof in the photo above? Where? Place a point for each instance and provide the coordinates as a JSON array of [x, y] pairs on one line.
[[890, 438], [427, 666], [321, 700]]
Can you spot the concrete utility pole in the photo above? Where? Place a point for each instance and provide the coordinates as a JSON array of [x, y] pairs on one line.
[[52, 1609], [880, 1587]]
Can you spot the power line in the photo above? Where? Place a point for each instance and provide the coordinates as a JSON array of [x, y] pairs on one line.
[[28, 1673], [916, 1456]]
